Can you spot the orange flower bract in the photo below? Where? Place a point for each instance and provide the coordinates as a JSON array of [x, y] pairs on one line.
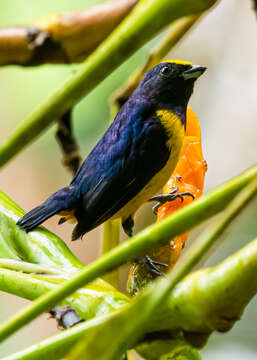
[[188, 176]]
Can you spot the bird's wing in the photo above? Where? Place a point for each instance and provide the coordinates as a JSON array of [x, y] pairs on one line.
[[130, 153]]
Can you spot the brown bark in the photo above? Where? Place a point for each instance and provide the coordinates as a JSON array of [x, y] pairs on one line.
[[67, 143]]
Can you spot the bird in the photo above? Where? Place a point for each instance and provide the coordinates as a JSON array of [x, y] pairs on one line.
[[134, 158]]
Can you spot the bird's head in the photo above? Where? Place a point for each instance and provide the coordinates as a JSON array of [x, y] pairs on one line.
[[170, 82]]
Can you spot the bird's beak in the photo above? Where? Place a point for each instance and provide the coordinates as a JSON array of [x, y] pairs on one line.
[[194, 72]]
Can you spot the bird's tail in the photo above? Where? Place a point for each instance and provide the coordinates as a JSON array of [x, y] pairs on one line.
[[61, 200]]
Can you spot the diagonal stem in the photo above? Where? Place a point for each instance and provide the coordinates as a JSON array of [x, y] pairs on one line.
[[235, 278], [152, 237], [144, 22]]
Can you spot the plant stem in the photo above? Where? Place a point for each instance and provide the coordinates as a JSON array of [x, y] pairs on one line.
[[143, 23], [87, 301], [27, 267], [152, 237], [67, 143], [175, 33], [61, 38], [44, 248], [110, 239], [192, 306], [209, 236]]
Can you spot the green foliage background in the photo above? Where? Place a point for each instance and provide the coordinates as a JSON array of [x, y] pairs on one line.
[[224, 101]]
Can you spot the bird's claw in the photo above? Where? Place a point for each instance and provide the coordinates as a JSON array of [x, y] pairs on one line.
[[151, 265], [163, 198]]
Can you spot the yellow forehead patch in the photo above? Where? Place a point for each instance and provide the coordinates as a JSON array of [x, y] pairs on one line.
[[176, 61]]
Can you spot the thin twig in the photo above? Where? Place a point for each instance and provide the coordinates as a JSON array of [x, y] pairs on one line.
[[67, 143], [255, 5]]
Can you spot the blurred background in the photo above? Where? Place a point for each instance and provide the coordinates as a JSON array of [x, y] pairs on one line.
[[224, 98]]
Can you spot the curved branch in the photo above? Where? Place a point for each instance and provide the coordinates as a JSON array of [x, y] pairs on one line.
[[201, 303], [152, 237], [61, 38]]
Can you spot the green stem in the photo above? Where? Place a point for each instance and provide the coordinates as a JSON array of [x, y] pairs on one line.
[[143, 23], [212, 232], [35, 286], [32, 287], [175, 33], [111, 239], [210, 235], [43, 247], [88, 301], [27, 267], [200, 303], [152, 237]]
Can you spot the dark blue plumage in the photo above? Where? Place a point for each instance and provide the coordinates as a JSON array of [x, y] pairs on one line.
[[131, 152]]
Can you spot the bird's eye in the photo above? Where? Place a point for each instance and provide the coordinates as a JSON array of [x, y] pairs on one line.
[[165, 71]]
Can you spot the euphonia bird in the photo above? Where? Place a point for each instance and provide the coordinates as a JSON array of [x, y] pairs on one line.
[[134, 158]]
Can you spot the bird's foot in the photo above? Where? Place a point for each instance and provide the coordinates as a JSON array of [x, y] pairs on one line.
[[151, 265], [163, 198]]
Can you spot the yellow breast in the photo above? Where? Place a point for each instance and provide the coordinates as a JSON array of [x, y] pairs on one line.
[[176, 132]]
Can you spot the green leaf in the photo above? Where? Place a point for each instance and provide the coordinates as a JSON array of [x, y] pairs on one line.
[[40, 246], [43, 247], [168, 349]]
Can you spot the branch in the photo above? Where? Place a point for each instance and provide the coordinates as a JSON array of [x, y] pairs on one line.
[[29, 268], [149, 239], [67, 143], [96, 298], [85, 303], [208, 237], [111, 239], [255, 6], [61, 38], [175, 32], [201, 303], [147, 19]]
